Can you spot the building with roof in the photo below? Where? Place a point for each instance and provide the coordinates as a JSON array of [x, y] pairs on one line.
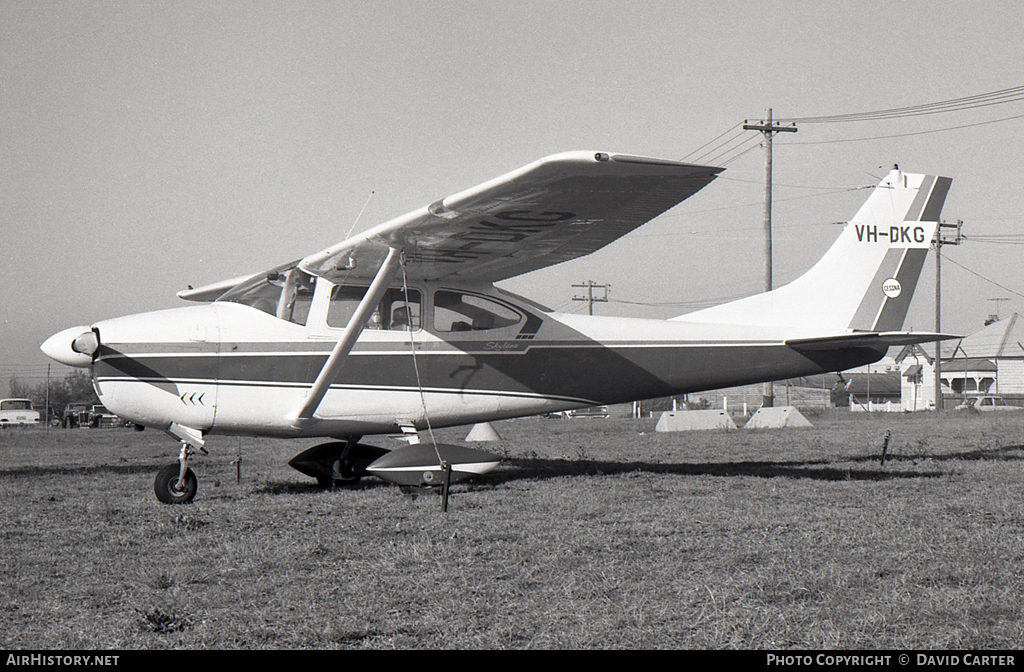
[[990, 361]]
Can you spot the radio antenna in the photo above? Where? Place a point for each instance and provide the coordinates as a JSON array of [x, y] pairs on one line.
[[353, 228]]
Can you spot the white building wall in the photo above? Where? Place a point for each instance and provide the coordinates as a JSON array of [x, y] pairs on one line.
[[1010, 376], [918, 395]]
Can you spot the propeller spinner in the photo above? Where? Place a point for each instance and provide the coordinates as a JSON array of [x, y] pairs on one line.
[[75, 346]]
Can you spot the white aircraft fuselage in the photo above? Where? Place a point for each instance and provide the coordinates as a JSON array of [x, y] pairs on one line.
[[227, 368]]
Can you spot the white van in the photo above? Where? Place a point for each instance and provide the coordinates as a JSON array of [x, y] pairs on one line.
[[17, 412]]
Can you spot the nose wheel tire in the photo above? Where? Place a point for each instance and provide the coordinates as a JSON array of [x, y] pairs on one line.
[[171, 489]]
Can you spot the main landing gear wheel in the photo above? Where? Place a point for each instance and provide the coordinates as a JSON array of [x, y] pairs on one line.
[[171, 489], [344, 474]]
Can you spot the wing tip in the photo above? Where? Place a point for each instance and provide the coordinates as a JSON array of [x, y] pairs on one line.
[[590, 156]]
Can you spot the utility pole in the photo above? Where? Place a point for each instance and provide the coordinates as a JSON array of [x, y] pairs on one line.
[[590, 286], [946, 234], [47, 397], [769, 129]]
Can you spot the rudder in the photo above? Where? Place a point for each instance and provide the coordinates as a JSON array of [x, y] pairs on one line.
[[900, 269]]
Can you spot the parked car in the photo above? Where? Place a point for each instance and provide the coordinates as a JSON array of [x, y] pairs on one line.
[[17, 412], [589, 412], [987, 404], [75, 415], [51, 415], [99, 416]]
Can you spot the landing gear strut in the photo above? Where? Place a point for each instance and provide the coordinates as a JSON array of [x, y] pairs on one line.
[[176, 483], [345, 473]]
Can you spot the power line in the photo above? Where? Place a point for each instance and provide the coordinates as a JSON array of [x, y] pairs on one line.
[[737, 144], [795, 186], [715, 154], [831, 192], [709, 142], [720, 153], [1001, 97], [997, 239], [754, 146], [746, 232], [989, 280], [698, 303], [904, 135]]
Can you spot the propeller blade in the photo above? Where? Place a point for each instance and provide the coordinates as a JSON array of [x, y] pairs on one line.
[[87, 343]]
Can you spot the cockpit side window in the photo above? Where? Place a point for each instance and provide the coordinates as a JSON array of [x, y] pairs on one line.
[[296, 297], [456, 311], [393, 313], [284, 293]]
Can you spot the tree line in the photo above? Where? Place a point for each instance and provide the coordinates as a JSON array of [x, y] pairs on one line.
[[76, 387]]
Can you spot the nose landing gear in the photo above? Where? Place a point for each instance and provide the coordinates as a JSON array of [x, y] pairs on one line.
[[176, 483], [171, 488]]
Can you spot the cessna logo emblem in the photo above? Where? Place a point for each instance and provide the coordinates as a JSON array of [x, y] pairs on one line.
[[892, 288]]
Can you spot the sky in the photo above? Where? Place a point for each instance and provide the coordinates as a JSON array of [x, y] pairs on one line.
[[145, 147]]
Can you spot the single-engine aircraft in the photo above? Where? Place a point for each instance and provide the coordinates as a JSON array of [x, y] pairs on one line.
[[400, 329]]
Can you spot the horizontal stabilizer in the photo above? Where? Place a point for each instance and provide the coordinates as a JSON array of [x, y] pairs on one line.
[[872, 339]]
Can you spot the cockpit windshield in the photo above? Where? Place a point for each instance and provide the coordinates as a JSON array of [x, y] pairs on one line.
[[285, 292]]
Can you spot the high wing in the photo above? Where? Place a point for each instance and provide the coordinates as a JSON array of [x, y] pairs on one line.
[[555, 209], [215, 290], [558, 208]]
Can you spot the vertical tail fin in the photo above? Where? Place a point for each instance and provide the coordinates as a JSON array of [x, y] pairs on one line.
[[865, 281]]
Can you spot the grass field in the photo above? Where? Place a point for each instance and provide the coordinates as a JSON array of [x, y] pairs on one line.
[[591, 534]]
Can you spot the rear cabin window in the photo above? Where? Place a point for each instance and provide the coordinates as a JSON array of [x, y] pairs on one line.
[[393, 313], [455, 311]]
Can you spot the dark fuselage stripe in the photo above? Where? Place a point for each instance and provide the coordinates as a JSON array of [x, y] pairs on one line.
[[371, 388], [603, 374]]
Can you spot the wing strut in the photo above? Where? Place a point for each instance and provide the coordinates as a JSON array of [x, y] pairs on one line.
[[348, 339]]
